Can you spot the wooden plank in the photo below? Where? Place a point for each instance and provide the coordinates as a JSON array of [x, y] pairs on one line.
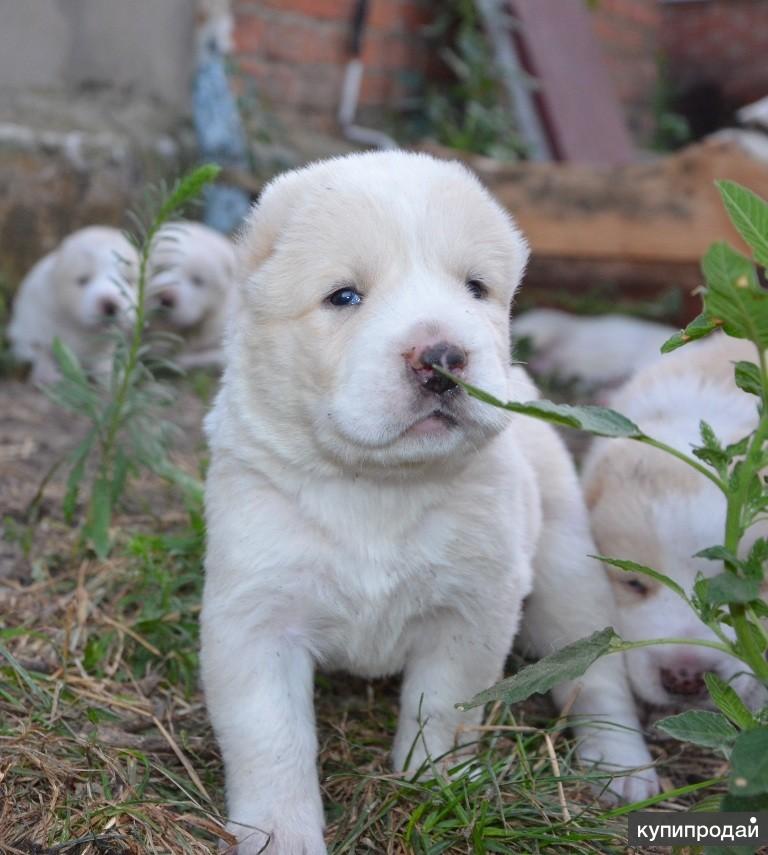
[[664, 211], [579, 102]]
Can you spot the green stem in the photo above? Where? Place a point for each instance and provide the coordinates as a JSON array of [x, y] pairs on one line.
[[752, 653], [621, 646], [108, 445], [691, 461]]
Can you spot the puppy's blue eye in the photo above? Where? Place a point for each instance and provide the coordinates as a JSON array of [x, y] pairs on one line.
[[477, 289], [345, 297]]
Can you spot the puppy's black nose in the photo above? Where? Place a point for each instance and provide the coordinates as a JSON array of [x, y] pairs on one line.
[[167, 301], [683, 681], [447, 356], [109, 308]]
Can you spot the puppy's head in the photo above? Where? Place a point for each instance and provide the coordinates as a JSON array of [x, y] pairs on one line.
[[360, 276], [94, 274], [191, 269], [659, 513]]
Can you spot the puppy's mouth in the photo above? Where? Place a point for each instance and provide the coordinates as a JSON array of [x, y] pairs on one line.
[[437, 422]]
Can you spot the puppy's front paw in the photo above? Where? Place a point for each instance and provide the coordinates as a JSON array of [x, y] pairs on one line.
[[625, 755], [637, 786], [279, 840]]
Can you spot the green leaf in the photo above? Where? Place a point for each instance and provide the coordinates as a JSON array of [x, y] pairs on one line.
[[728, 588], [699, 327], [701, 727], [749, 214], [729, 703], [567, 663], [718, 553], [76, 475], [747, 376], [96, 529], [737, 804], [749, 764], [754, 563], [632, 567], [68, 363], [734, 296], [596, 420], [187, 189]]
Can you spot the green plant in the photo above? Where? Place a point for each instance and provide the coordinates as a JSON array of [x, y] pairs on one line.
[[125, 434], [469, 114], [735, 303]]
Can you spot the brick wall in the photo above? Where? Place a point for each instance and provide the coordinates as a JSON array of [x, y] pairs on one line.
[[718, 48], [293, 53], [628, 31]]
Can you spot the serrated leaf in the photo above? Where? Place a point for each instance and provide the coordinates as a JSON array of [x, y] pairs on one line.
[[599, 421], [727, 588], [734, 296], [718, 553], [729, 703], [96, 529], [747, 376], [749, 764], [749, 215], [633, 567], [699, 327], [701, 727], [754, 563], [568, 663]]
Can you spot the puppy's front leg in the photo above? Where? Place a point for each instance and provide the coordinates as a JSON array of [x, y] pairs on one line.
[[259, 693], [450, 661]]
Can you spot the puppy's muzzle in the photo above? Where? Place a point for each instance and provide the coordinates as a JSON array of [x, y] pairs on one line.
[[446, 355]]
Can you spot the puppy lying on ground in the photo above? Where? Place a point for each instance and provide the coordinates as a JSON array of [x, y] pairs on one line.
[[192, 269], [74, 293], [601, 351], [648, 507], [363, 512]]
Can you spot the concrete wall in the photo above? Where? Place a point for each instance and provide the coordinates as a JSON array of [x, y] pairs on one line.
[[147, 45]]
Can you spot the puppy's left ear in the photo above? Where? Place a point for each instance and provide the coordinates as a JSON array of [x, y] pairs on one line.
[[267, 220]]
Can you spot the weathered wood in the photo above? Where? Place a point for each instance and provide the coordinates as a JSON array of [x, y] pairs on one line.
[[577, 97], [664, 211]]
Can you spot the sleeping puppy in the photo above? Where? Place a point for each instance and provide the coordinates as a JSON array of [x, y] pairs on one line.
[[363, 512], [601, 351], [75, 293], [653, 509], [191, 275]]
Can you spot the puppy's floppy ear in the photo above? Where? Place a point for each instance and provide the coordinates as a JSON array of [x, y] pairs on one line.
[[267, 219]]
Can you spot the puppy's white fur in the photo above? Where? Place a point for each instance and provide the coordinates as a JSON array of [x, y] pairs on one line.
[[74, 293], [653, 509], [600, 351], [191, 285], [356, 521]]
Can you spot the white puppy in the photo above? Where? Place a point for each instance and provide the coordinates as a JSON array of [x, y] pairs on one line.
[[653, 509], [600, 351], [191, 284], [363, 512], [74, 293]]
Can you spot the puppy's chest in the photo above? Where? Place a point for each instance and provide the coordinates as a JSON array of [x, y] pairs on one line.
[[381, 577]]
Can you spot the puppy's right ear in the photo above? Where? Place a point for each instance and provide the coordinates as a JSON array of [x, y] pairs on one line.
[[269, 216]]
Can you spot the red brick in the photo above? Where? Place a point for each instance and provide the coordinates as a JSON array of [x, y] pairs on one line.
[[249, 33], [333, 10]]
